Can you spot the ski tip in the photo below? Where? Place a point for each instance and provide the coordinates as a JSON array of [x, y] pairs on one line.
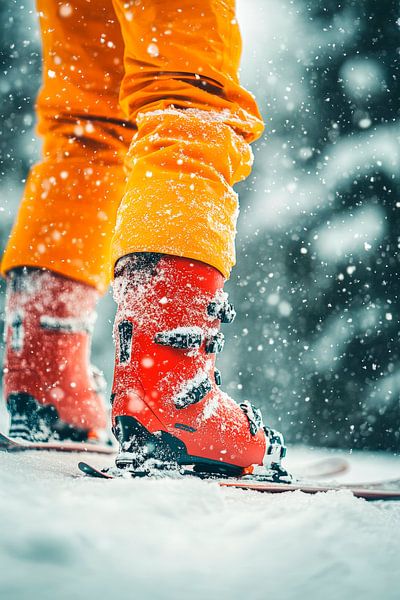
[[85, 468], [82, 466], [92, 471]]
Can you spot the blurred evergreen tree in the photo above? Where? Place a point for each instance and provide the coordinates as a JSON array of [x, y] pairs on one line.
[[318, 331], [19, 82], [20, 70]]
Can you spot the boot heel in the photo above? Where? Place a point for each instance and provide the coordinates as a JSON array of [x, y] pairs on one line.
[[138, 445], [34, 422]]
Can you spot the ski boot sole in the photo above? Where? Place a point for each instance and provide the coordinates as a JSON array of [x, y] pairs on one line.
[[36, 423], [163, 450]]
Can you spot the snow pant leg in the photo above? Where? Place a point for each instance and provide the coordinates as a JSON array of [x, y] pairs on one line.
[[67, 215], [195, 123]]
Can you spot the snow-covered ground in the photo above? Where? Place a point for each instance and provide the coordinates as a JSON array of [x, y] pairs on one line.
[[67, 536]]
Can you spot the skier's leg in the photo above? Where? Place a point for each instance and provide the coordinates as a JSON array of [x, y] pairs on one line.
[[194, 123], [57, 258], [174, 239], [67, 214]]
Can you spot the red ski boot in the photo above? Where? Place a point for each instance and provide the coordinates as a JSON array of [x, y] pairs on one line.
[[51, 391], [168, 408]]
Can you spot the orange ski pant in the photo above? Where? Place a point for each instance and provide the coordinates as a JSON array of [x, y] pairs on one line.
[[145, 130]]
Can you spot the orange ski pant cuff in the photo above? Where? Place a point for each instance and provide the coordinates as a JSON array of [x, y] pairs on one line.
[[179, 198]]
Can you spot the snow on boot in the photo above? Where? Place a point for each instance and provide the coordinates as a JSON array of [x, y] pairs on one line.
[[167, 407], [52, 393]]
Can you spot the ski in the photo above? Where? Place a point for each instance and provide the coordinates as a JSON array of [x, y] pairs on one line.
[[8, 444], [367, 491], [325, 467]]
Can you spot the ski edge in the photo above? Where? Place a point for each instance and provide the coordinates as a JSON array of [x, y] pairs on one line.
[[358, 491]]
